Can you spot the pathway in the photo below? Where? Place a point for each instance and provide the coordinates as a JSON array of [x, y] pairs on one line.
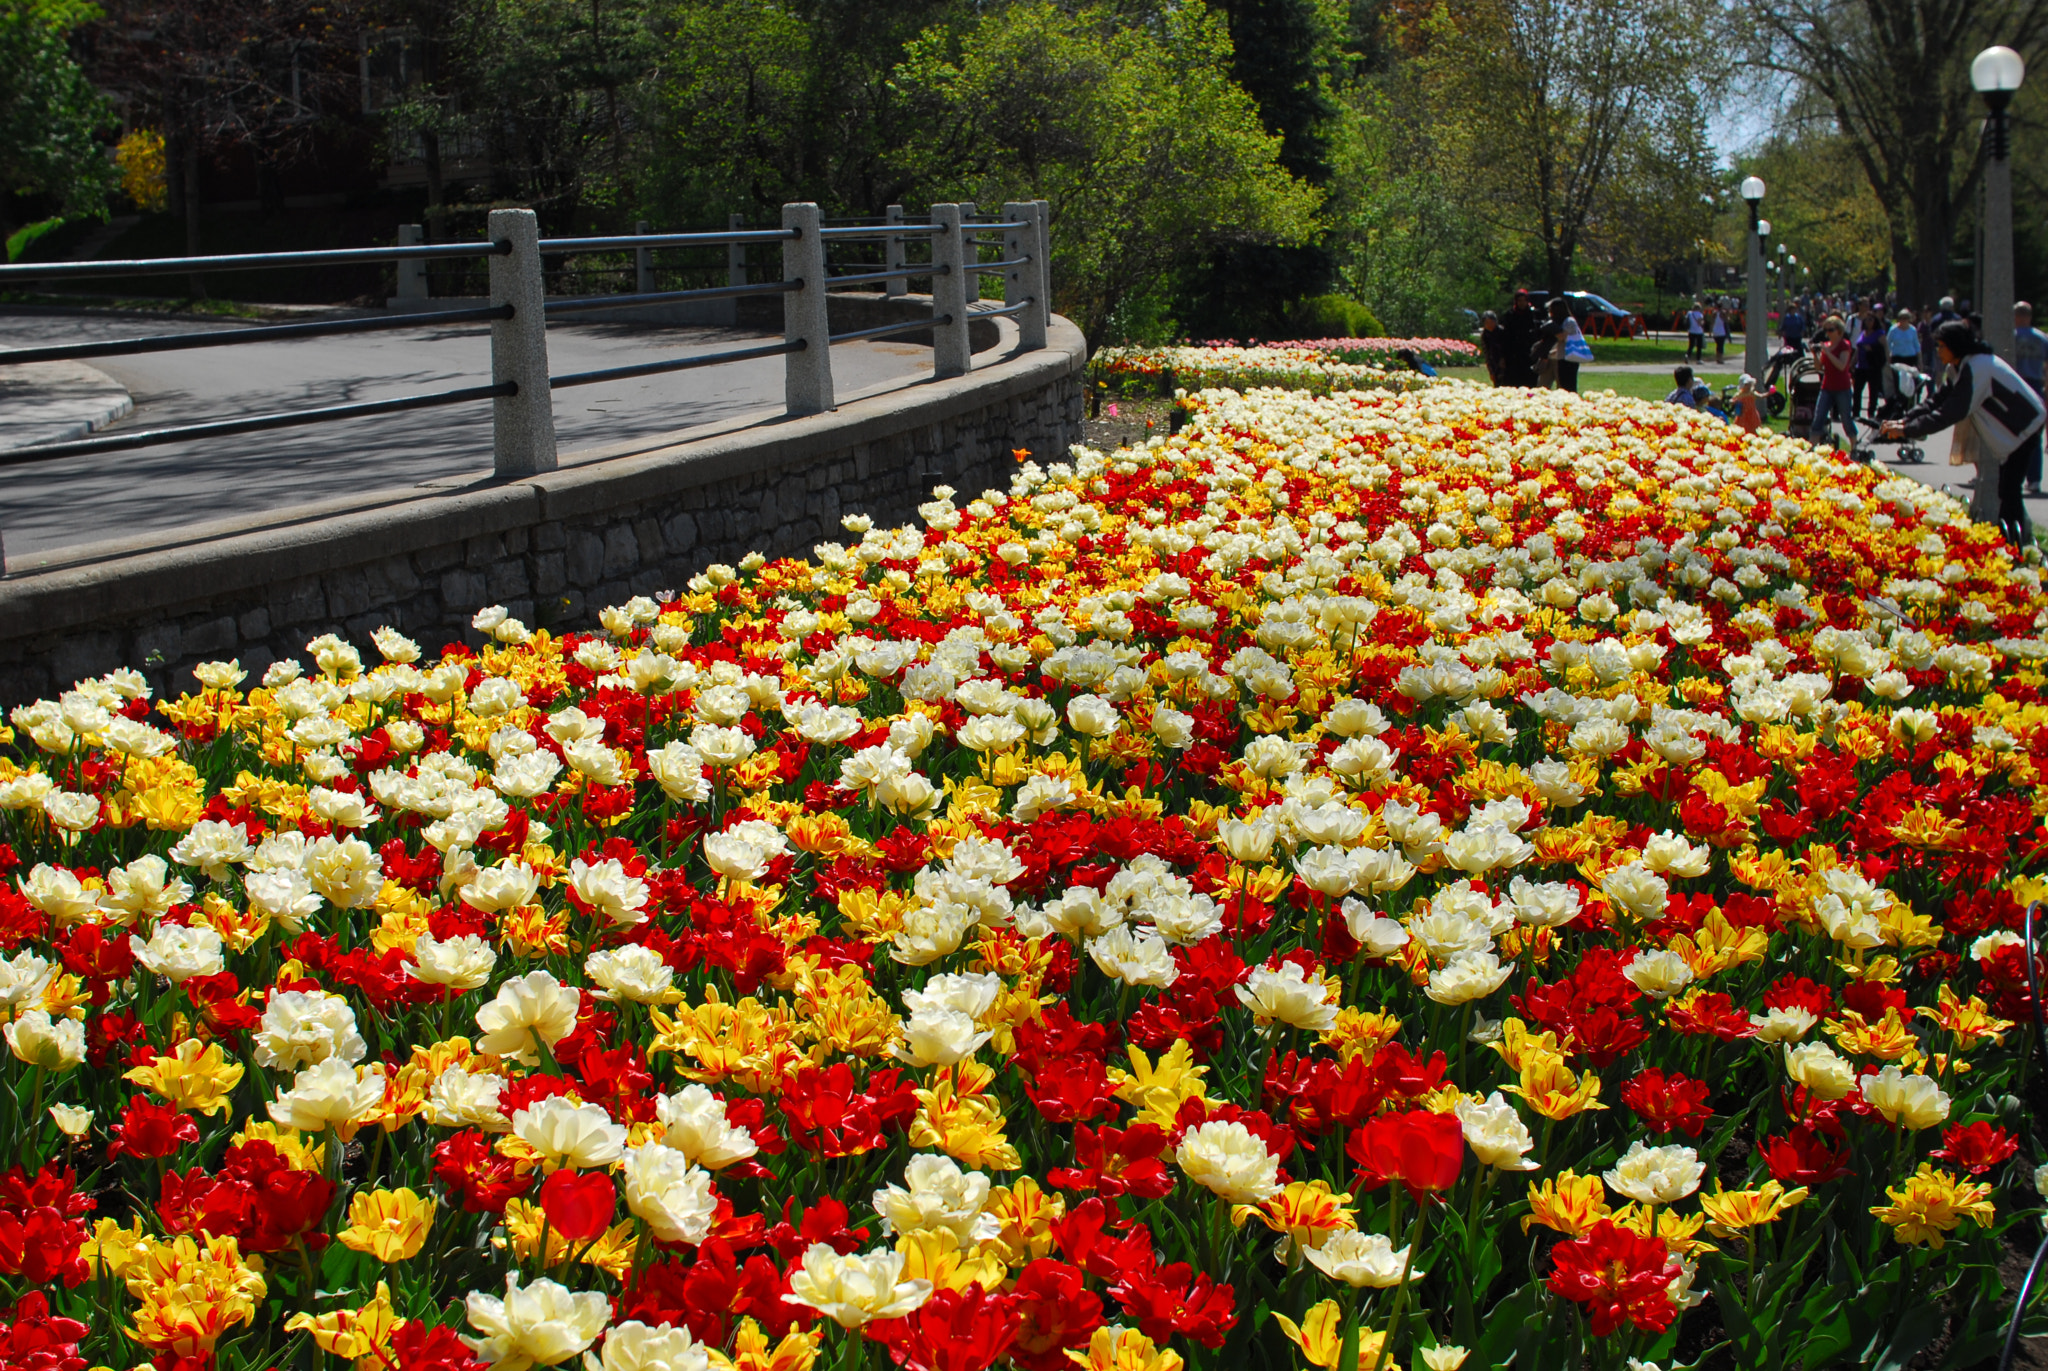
[[48, 508]]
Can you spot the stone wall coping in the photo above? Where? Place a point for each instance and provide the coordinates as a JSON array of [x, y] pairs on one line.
[[342, 534]]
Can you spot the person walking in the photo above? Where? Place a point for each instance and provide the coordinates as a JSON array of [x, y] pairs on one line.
[[1902, 346], [1561, 346], [1870, 363], [1997, 419], [1717, 325], [2030, 360], [1493, 347], [1521, 327], [1792, 329], [1943, 312], [1695, 334], [1837, 378]]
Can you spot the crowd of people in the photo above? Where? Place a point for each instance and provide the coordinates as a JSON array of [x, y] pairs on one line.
[[1870, 354], [1863, 347], [1532, 347]]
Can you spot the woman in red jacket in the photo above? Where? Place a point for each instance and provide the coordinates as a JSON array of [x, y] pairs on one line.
[[1837, 358]]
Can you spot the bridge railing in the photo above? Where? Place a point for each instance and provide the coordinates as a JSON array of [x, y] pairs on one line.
[[948, 249]]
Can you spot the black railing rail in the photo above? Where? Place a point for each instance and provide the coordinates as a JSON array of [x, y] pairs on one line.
[[245, 261], [666, 297], [256, 423], [632, 241], [885, 330], [232, 337]]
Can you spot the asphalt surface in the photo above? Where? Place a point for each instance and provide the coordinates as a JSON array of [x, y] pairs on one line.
[[145, 492]]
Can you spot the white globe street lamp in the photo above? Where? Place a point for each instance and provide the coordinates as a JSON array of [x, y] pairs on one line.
[[1752, 191], [1996, 74]]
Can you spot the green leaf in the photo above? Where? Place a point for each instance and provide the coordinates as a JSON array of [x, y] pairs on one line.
[[1919, 1324]]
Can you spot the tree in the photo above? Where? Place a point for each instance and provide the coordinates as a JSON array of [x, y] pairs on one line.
[[211, 75], [1822, 206], [1894, 76], [1281, 51], [1398, 220], [50, 115], [1130, 125], [1558, 109], [760, 102], [555, 84]]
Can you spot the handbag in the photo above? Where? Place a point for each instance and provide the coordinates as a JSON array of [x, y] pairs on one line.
[[1962, 445], [1577, 349]]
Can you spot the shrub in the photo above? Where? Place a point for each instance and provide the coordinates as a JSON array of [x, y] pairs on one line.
[[1332, 316]]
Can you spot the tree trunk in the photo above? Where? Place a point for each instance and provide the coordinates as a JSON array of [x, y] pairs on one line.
[[1907, 270], [192, 199], [1557, 266], [174, 172], [269, 185], [1937, 230], [437, 192]]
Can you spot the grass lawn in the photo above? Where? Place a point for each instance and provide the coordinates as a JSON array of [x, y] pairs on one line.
[[1669, 349], [1640, 385]]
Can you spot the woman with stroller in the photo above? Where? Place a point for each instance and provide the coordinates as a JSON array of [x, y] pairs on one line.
[[1837, 378], [1997, 419]]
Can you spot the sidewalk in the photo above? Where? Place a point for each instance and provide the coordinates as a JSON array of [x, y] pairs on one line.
[[1936, 471], [51, 402]]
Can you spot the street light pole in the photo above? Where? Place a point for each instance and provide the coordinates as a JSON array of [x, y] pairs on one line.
[[1997, 73], [1753, 314]]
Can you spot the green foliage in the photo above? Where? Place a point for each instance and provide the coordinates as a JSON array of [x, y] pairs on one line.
[[1404, 240], [49, 110], [564, 76], [759, 102], [1130, 125], [1821, 205], [22, 238], [1333, 316]]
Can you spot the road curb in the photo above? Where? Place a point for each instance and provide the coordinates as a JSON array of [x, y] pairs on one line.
[[52, 402]]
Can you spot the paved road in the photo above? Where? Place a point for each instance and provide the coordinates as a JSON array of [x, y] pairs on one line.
[[150, 491]]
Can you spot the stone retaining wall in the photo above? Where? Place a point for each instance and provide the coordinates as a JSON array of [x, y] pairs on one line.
[[553, 549]]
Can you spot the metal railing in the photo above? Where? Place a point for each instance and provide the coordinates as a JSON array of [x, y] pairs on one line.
[[518, 310]]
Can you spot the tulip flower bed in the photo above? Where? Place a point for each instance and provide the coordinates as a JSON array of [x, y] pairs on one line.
[[1438, 352], [1310, 367], [1460, 878]]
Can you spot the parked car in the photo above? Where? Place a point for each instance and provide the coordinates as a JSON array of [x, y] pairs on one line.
[[1597, 315]]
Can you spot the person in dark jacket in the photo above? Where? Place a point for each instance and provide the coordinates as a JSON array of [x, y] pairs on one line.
[[1521, 327], [1871, 360], [1493, 347], [1997, 419]]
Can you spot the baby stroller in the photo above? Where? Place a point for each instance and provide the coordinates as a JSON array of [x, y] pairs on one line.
[[1784, 360], [1805, 397], [1903, 384]]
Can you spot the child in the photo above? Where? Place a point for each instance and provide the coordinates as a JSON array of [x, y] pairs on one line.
[[1686, 391], [1747, 417]]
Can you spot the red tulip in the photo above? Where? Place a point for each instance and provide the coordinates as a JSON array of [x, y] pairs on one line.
[[1976, 1147], [1422, 1150], [1618, 1276], [149, 1130], [578, 1204]]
